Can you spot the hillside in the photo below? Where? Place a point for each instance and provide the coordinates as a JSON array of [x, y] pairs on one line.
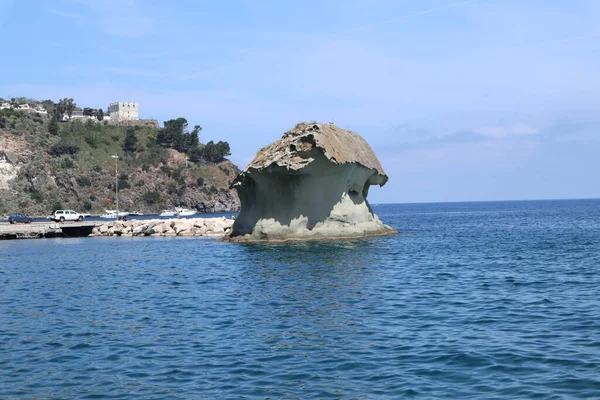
[[46, 165]]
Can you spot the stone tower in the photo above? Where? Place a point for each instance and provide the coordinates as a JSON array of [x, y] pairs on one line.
[[123, 111]]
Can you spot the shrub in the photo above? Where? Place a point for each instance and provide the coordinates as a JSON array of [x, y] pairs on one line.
[[166, 170], [151, 197], [36, 195], [214, 189], [200, 182], [130, 142], [62, 148], [176, 174], [87, 205], [53, 127], [124, 184], [68, 163], [92, 139], [83, 181]]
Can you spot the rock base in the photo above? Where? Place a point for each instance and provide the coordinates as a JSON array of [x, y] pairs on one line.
[[194, 227]]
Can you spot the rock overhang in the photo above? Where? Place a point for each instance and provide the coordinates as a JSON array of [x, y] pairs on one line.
[[300, 146]]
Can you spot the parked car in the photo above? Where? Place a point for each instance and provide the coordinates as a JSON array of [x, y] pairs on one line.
[[66, 215], [22, 218]]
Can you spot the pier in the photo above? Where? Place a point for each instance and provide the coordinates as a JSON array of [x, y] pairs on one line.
[[47, 229]]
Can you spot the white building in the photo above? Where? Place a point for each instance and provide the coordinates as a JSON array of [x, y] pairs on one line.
[[5, 106], [123, 111], [41, 110], [77, 114], [23, 107]]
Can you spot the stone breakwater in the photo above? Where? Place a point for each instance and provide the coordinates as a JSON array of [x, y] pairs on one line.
[[206, 227]]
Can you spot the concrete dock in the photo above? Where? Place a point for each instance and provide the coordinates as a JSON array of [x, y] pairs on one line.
[[47, 229]]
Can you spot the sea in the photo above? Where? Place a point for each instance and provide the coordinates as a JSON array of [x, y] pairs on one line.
[[482, 300]]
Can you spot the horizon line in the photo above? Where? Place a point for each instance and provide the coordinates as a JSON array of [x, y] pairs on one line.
[[487, 201]]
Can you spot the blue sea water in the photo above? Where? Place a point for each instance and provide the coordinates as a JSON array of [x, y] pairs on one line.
[[496, 300]]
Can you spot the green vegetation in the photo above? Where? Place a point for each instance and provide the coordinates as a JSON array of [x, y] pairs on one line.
[[70, 164], [130, 142], [176, 136]]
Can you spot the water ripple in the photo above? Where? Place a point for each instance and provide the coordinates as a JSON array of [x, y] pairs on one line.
[[473, 300]]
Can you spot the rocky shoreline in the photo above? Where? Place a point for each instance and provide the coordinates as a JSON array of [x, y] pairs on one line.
[[191, 227]]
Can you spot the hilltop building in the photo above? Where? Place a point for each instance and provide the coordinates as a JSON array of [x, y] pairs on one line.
[[23, 107], [123, 111]]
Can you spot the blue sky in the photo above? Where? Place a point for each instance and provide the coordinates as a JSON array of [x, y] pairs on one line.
[[461, 100]]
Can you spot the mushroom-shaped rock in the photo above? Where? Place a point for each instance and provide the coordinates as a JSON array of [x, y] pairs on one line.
[[310, 184]]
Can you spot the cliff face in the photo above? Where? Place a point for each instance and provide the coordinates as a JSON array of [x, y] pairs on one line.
[[312, 183], [36, 181]]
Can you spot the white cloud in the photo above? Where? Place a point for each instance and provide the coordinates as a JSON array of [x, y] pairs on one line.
[[504, 131]]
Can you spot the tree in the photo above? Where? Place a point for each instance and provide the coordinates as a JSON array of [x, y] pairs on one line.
[[100, 115], [130, 142], [195, 154], [53, 127], [213, 152], [49, 106], [66, 106], [223, 149], [172, 135], [193, 137]]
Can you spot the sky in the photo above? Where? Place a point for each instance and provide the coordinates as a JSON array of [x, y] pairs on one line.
[[467, 100]]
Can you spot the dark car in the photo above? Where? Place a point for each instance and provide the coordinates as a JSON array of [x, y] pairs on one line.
[[14, 218]]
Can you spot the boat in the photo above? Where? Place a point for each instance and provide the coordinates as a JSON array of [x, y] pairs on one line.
[[135, 213], [112, 214], [168, 213], [185, 212]]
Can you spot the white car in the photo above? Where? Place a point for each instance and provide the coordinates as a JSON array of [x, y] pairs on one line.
[[67, 215]]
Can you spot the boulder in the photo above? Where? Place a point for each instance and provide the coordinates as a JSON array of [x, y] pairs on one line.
[[139, 230], [199, 231], [116, 228], [183, 226], [155, 227], [310, 184]]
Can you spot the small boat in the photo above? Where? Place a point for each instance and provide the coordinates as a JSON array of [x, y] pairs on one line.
[[185, 212], [167, 213], [112, 214], [135, 213]]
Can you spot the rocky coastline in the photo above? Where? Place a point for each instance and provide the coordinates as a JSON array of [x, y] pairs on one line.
[[192, 227]]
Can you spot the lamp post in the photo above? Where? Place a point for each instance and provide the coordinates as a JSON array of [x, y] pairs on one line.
[[116, 157]]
